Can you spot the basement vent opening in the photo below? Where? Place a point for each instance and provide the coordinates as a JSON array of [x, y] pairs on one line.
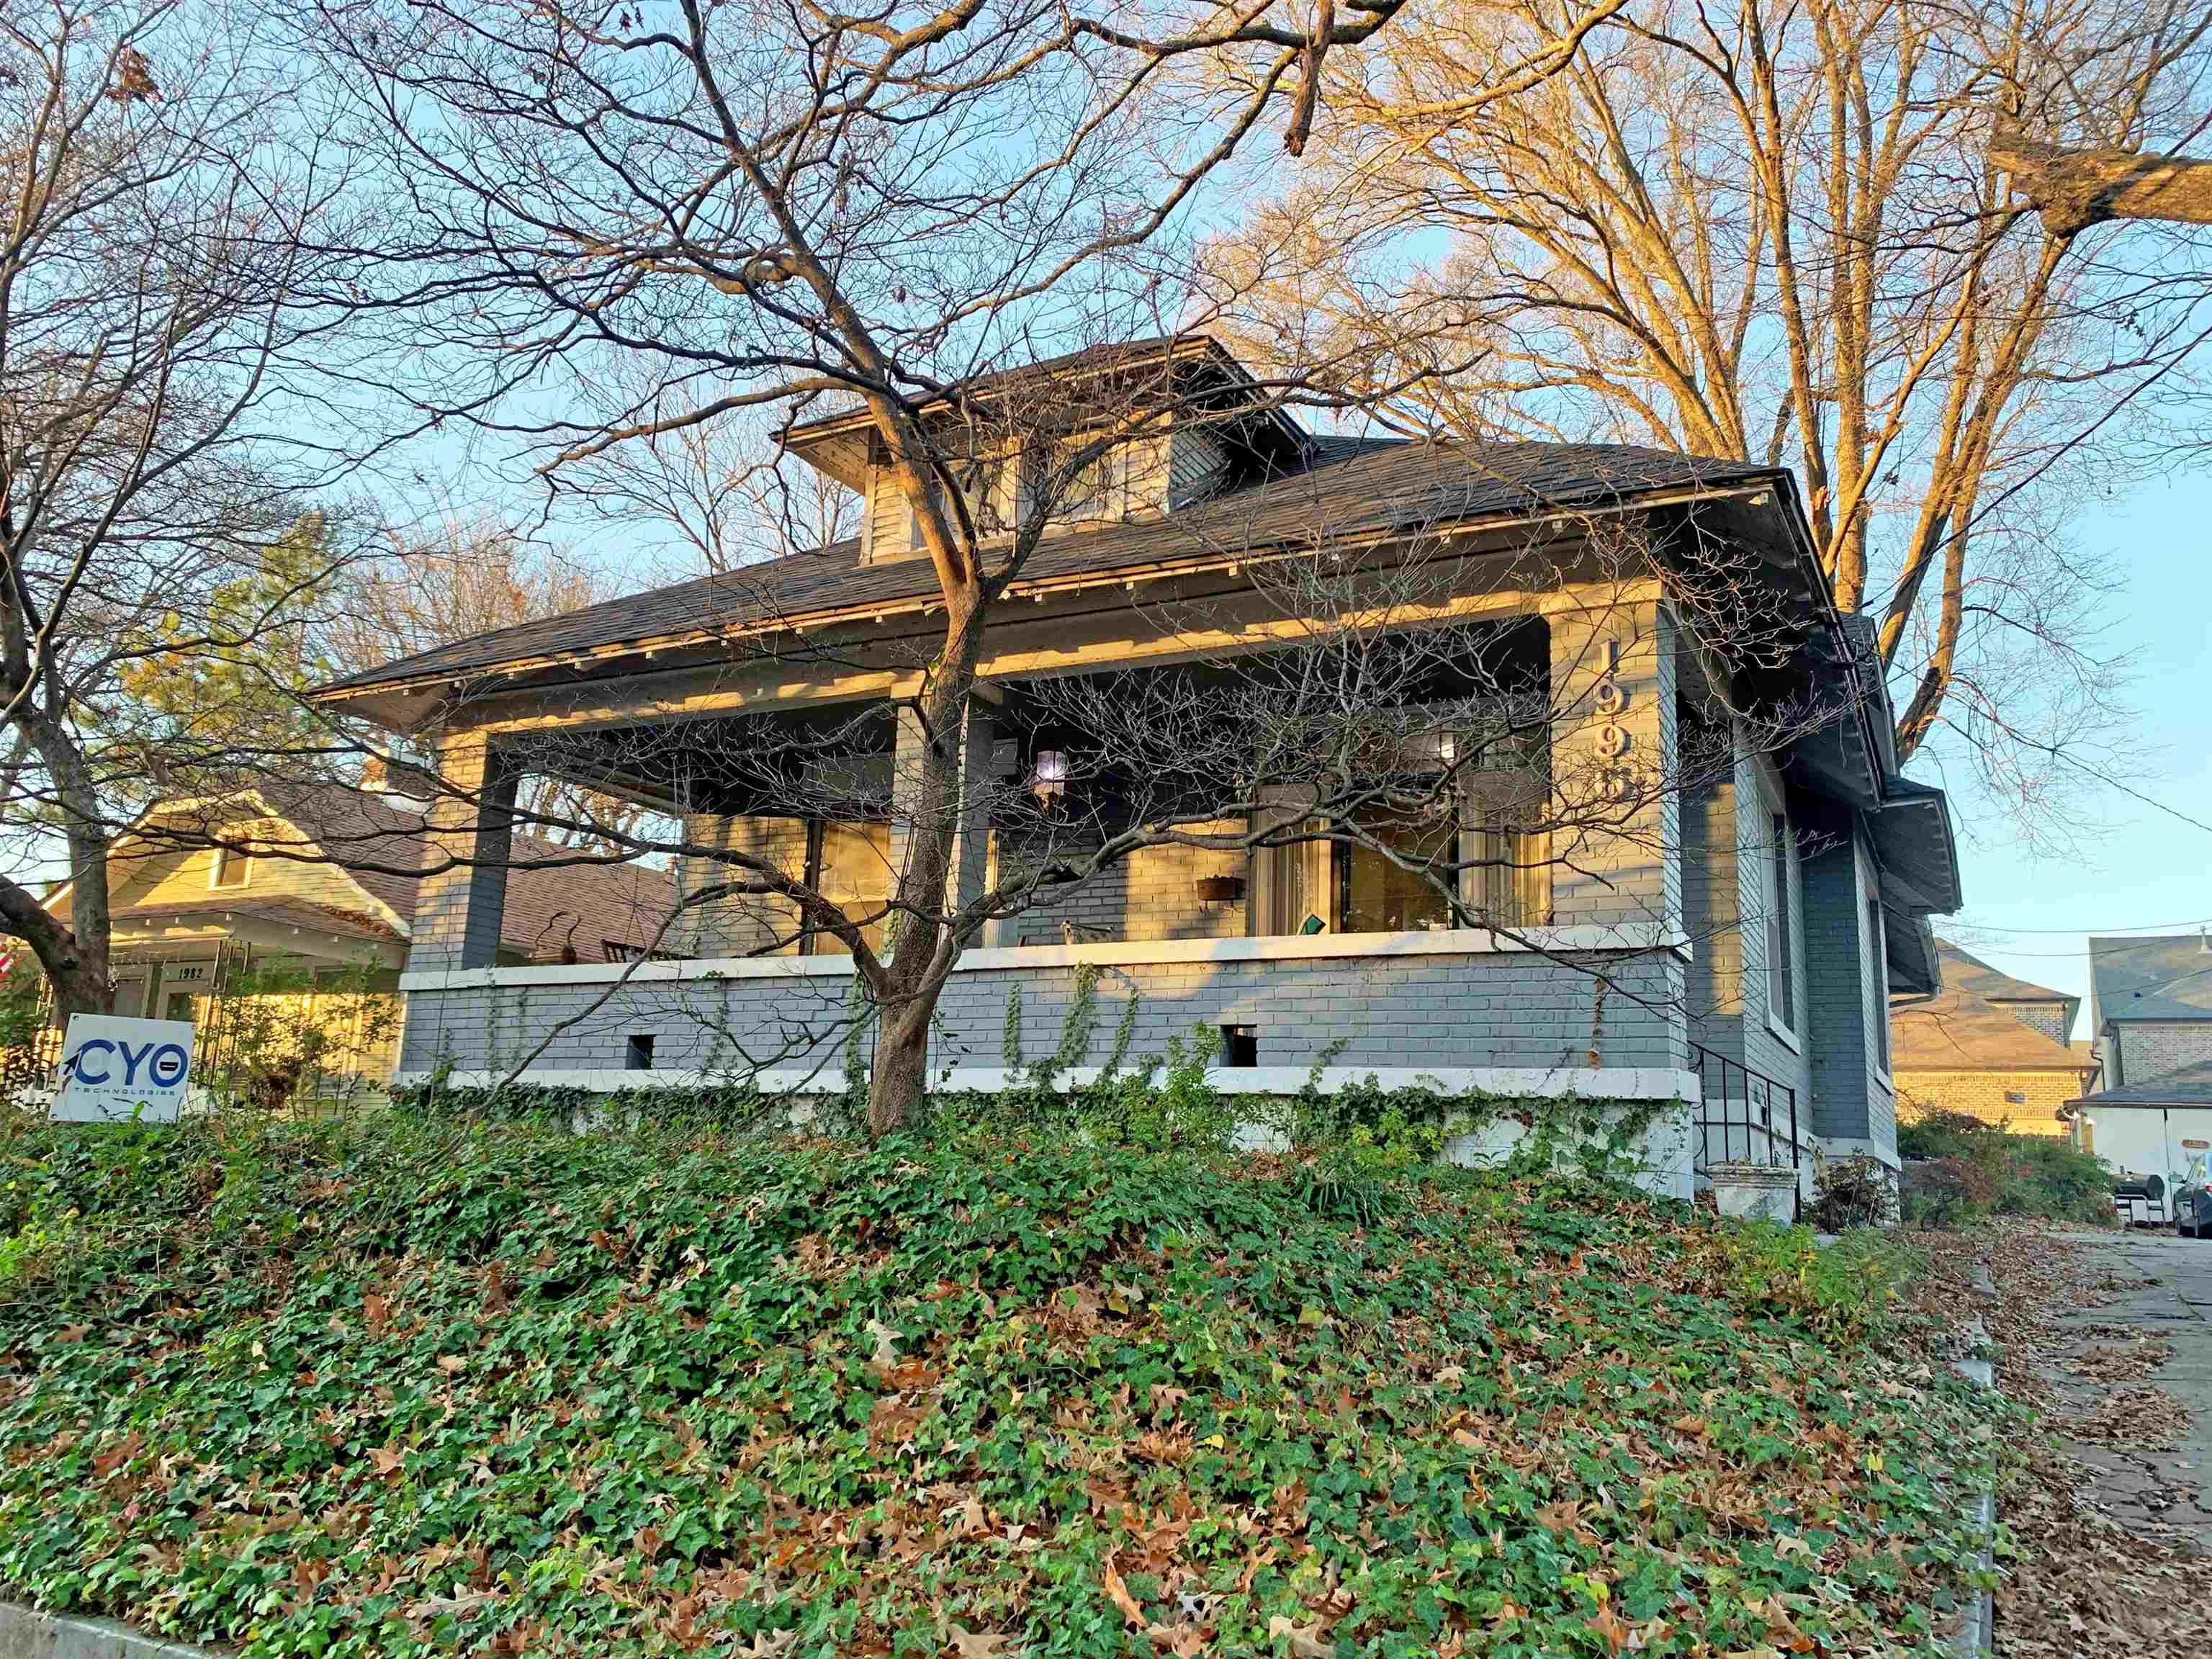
[[1240, 1045], [640, 1055]]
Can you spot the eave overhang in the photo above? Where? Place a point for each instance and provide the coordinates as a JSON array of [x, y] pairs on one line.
[[409, 703]]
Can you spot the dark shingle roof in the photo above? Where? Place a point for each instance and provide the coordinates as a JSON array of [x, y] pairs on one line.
[[1350, 487], [2189, 1086], [2166, 977], [1962, 1029], [1994, 984]]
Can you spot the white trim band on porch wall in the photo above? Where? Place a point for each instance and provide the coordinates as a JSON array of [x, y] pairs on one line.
[[28, 1633], [1510, 1082], [1114, 953]]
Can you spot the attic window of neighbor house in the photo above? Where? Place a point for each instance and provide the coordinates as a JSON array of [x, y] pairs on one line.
[[229, 869]]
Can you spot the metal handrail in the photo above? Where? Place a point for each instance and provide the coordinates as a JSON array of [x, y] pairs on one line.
[[1763, 1102]]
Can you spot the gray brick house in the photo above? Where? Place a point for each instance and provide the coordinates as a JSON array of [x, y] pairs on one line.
[[2150, 1006], [2150, 1020], [1727, 937]]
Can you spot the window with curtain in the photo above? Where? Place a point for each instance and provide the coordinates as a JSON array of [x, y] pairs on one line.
[[1391, 886], [1507, 851], [1395, 887], [1476, 785]]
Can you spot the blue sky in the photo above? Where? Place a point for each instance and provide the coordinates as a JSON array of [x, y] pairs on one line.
[[2139, 869]]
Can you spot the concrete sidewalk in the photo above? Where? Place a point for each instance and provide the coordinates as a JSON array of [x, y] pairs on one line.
[[2164, 1285]]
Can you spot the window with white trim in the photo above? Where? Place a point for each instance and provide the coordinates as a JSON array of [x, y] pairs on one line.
[[1878, 991], [1781, 959]]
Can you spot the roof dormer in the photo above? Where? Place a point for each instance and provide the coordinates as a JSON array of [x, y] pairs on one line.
[[1105, 437]]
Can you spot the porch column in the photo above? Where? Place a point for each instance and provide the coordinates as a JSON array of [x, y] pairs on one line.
[[974, 742], [459, 910], [1617, 844]]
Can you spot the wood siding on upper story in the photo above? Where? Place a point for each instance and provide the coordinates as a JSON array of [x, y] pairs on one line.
[[175, 876], [1166, 472]]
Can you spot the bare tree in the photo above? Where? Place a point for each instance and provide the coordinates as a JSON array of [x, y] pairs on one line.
[[716, 487], [151, 330], [468, 574], [740, 210], [1781, 233]]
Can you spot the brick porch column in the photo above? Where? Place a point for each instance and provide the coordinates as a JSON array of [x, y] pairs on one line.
[[1618, 848], [975, 741], [457, 909], [1616, 800]]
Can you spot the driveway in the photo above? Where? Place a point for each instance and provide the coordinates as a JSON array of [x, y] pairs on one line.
[[2152, 1338]]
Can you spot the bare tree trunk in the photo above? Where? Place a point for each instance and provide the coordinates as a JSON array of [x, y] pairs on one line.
[[927, 942], [77, 973], [2075, 189], [899, 1084]]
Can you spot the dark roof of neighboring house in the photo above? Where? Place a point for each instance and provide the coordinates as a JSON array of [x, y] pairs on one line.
[[2168, 976], [361, 830], [1994, 984], [1357, 487], [2189, 1086], [1963, 1028], [555, 896]]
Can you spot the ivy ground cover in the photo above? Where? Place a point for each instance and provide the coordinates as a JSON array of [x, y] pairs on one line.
[[408, 1390]]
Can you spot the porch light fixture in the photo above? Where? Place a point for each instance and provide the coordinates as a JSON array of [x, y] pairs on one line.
[[1049, 780]]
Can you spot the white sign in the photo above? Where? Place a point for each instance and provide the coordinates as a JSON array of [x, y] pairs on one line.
[[117, 1071]]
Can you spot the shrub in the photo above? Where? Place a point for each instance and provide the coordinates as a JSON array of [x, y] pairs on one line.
[[1984, 1169], [1852, 1289], [1850, 1191]]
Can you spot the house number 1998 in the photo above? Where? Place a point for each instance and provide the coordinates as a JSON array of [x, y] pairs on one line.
[[1612, 737]]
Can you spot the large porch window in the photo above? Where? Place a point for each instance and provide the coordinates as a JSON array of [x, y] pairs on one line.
[[850, 865], [1401, 883], [1396, 888], [1476, 836]]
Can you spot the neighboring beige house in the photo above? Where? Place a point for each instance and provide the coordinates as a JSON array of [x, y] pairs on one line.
[[1989, 1046], [322, 879]]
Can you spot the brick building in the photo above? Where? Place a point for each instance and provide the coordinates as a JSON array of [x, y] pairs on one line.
[[1990, 1046], [2150, 1006], [1727, 939], [2150, 1014]]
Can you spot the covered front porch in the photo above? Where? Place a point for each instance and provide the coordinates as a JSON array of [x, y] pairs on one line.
[[1484, 915]]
